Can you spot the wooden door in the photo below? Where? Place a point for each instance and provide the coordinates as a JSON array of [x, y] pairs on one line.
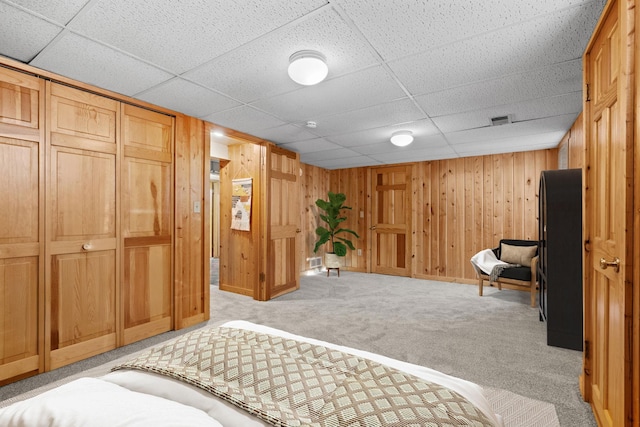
[[82, 225], [147, 221], [283, 228], [391, 220], [609, 140], [21, 224]]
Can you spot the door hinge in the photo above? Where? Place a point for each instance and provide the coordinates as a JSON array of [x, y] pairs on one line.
[[262, 277], [588, 95]]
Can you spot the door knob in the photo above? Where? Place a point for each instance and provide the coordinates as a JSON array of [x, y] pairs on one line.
[[86, 246], [373, 227], [604, 264]]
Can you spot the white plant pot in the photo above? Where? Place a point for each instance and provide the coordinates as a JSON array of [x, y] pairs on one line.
[[331, 260]]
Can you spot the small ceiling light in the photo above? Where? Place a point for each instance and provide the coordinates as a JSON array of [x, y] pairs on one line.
[[311, 124], [218, 133], [402, 138], [308, 67]]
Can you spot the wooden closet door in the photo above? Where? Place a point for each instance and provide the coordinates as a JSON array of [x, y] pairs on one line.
[[608, 111], [283, 225], [147, 292], [391, 220], [81, 225], [21, 224]]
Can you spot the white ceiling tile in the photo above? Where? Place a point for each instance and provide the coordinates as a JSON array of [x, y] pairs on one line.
[[402, 27], [60, 11], [513, 130], [339, 153], [259, 69], [286, 134], [562, 105], [392, 114], [512, 144], [537, 83], [311, 146], [398, 155], [186, 97], [370, 136], [353, 91], [419, 145], [180, 38], [22, 35], [82, 59], [351, 162], [510, 50], [244, 118]]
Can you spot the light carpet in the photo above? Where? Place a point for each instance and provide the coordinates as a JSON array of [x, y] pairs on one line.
[[496, 341], [516, 410]]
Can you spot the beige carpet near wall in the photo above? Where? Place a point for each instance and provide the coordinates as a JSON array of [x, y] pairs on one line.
[[495, 340]]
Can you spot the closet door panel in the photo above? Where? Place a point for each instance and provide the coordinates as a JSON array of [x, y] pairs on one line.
[[147, 198], [19, 317], [82, 230], [19, 189], [21, 225], [83, 305], [20, 107], [83, 191]]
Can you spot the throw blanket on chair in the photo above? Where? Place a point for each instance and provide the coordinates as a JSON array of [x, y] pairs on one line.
[[497, 270], [290, 383]]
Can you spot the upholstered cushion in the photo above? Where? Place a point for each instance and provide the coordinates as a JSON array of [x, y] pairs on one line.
[[517, 273], [517, 254]]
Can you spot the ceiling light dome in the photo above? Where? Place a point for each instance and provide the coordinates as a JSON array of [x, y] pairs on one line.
[[308, 67], [402, 138]]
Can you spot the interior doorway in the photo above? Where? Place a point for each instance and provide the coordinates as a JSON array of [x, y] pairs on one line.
[[214, 215]]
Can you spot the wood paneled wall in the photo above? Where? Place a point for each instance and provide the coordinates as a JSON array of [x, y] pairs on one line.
[[192, 206], [572, 146], [240, 268], [355, 184], [464, 205], [459, 206]]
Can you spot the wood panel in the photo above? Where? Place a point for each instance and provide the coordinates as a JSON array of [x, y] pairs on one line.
[[283, 220], [146, 195], [22, 105], [243, 265], [458, 207], [609, 112], [192, 243], [83, 307], [147, 134], [82, 231], [391, 220], [314, 185], [21, 225], [354, 183], [20, 316]]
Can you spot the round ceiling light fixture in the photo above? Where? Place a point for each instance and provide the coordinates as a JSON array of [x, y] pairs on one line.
[[307, 67], [402, 138]]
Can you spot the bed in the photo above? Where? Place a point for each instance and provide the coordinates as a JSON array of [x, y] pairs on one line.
[[244, 374]]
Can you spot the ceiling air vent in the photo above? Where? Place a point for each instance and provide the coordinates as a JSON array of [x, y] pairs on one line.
[[501, 120]]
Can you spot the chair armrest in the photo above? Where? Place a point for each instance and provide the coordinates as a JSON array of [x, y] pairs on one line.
[[534, 266]]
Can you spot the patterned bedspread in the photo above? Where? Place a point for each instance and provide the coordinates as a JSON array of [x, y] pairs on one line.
[[291, 383]]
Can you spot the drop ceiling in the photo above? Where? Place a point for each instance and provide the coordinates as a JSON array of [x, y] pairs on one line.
[[439, 68]]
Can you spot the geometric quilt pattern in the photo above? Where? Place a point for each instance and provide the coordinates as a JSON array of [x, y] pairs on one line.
[[291, 383]]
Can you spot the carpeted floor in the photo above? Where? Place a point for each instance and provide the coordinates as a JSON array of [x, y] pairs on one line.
[[495, 340]]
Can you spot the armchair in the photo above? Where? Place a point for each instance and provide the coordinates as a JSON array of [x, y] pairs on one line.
[[521, 252]]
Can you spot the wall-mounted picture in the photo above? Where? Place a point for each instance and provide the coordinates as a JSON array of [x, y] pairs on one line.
[[241, 204]]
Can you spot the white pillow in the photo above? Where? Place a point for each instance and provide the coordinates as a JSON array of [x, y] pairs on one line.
[[96, 403]]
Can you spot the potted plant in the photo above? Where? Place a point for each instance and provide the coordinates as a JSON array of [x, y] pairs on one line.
[[332, 209]]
